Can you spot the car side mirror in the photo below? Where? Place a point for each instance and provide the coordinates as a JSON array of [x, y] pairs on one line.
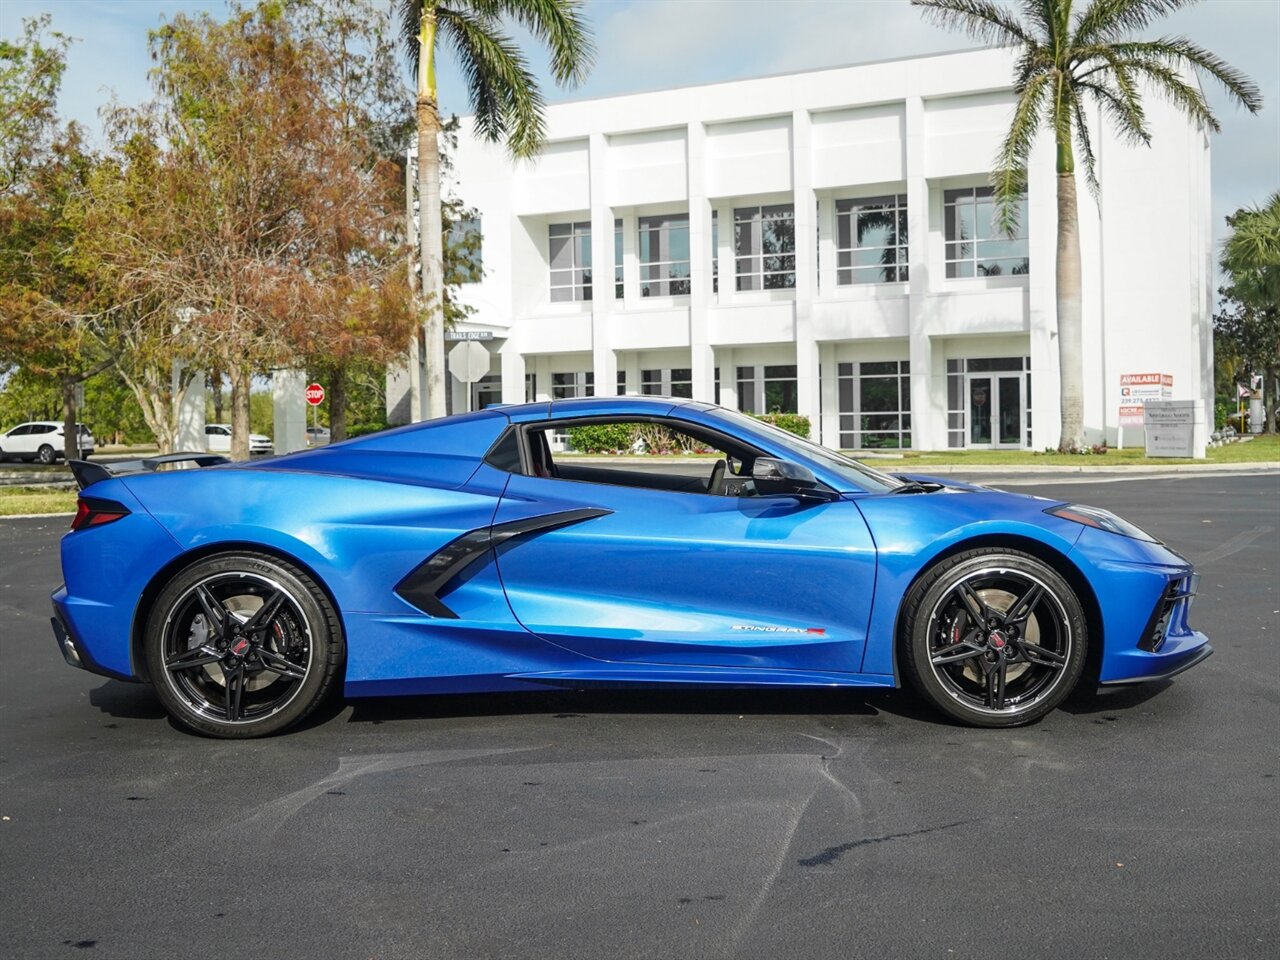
[[782, 477]]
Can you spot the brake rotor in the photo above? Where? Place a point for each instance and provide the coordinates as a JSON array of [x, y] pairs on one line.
[[1000, 601]]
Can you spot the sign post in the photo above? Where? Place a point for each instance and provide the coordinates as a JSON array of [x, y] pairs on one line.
[[315, 397], [469, 362]]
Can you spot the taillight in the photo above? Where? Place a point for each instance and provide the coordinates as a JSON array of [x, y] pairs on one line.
[[93, 512]]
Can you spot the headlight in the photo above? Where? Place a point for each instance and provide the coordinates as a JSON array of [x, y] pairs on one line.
[[1100, 519]]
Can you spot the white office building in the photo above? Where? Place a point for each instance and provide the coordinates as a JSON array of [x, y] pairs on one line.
[[821, 243]]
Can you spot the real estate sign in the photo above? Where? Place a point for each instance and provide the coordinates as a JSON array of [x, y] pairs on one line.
[[1136, 389], [1171, 428]]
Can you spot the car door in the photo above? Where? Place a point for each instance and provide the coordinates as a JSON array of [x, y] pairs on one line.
[[217, 439], [18, 440], [665, 577]]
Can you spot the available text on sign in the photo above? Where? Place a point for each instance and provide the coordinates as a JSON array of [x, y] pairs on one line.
[[1136, 389]]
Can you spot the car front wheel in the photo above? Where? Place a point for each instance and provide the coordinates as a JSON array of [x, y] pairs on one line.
[[994, 637], [242, 645]]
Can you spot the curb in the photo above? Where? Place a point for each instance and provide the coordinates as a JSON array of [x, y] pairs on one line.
[[34, 516]]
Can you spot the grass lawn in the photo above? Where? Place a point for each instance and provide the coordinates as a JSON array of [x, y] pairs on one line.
[[15, 501], [1261, 449]]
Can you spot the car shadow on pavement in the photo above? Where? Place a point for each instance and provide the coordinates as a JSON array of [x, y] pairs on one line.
[[127, 701], [567, 704], [1086, 700]]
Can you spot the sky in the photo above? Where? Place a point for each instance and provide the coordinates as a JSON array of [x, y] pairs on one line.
[[653, 44]]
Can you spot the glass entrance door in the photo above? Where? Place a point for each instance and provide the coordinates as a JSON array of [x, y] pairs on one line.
[[994, 406]]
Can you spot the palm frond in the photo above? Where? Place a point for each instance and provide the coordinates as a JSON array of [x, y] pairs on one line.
[[1105, 20], [559, 24], [1180, 53], [1124, 111], [982, 20], [1085, 143], [1167, 82], [410, 18], [504, 91], [1009, 178]]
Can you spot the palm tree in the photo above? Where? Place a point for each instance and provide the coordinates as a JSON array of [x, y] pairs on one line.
[[1251, 254], [1066, 57], [507, 103]]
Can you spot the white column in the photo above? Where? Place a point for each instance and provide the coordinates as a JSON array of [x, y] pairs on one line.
[[702, 356], [603, 361], [630, 258], [289, 410], [190, 414], [631, 363], [725, 360], [830, 420], [513, 372], [806, 269], [928, 385], [724, 254]]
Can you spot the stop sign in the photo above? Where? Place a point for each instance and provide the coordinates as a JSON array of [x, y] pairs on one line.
[[315, 394]]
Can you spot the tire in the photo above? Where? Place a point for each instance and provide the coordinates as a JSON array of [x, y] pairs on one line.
[[46, 454], [993, 637], [242, 645]]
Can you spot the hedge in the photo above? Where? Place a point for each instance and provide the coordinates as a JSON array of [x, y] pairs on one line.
[[790, 422]]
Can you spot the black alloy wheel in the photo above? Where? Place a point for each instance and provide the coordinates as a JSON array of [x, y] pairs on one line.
[[994, 638], [242, 645]]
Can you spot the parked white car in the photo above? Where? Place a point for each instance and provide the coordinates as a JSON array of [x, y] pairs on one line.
[[42, 440], [217, 439]]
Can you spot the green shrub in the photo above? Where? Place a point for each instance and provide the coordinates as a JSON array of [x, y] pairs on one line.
[[603, 438], [790, 422]]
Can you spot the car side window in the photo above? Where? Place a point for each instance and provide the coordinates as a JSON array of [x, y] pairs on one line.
[[646, 454]]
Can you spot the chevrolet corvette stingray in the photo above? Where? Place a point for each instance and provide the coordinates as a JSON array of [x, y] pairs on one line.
[[471, 554]]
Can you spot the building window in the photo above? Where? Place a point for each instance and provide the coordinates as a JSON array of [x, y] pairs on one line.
[[675, 382], [530, 387], [764, 240], [976, 246], [617, 259], [715, 252], [871, 240], [768, 389], [875, 404], [569, 250], [622, 383], [464, 241], [566, 386], [664, 256]]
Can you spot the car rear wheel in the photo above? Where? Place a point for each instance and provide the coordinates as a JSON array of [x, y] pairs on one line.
[[242, 645], [994, 637], [46, 454]]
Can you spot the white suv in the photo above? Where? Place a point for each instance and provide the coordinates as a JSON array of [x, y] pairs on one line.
[[42, 440], [217, 439]]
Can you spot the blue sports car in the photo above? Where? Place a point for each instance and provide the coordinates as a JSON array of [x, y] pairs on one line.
[[464, 554]]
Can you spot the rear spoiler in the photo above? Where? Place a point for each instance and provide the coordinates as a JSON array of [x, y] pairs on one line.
[[87, 473]]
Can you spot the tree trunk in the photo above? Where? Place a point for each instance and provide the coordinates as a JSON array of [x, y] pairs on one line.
[[431, 243], [241, 381], [1270, 389], [1070, 338], [70, 431], [337, 398]]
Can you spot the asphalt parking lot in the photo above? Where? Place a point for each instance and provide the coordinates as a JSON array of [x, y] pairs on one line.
[[1140, 822]]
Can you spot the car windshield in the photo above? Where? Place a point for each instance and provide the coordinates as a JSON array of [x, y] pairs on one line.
[[861, 476]]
